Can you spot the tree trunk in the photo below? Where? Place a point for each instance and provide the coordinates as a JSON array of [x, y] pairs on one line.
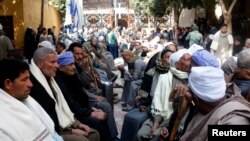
[[42, 12], [227, 13], [176, 15]]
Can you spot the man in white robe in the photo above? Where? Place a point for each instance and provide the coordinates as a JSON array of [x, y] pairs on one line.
[[22, 118]]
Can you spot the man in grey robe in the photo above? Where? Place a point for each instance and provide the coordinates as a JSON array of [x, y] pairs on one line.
[[133, 79], [5, 44]]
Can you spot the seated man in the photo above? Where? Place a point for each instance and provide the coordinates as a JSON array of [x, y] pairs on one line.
[[98, 59], [175, 126], [137, 51], [77, 99], [241, 73], [48, 94], [108, 57], [144, 92], [89, 86], [18, 109], [164, 81], [132, 77], [214, 107], [88, 75]]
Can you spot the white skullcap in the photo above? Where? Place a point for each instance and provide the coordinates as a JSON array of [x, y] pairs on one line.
[[194, 48], [100, 38], [80, 30], [145, 44], [168, 43], [207, 83], [139, 41], [118, 61], [1, 26], [176, 56], [46, 44]]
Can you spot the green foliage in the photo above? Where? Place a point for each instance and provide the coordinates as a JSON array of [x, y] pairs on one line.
[[158, 8], [191, 3], [59, 4], [141, 6]]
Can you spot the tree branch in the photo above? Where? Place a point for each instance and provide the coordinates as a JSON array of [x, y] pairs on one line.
[[231, 6], [223, 8]]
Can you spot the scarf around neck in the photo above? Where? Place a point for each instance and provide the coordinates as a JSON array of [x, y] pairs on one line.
[[162, 68], [24, 120], [216, 39], [160, 103], [64, 114]]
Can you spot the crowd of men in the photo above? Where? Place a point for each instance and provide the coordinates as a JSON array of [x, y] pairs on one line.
[[182, 79]]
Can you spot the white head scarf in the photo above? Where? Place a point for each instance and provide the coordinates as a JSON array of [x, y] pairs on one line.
[[80, 31], [168, 43], [46, 44], [1, 27], [176, 56], [100, 38], [192, 49], [207, 83]]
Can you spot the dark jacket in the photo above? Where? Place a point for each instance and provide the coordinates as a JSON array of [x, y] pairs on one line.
[[39, 93], [78, 102], [244, 86], [76, 98], [85, 78]]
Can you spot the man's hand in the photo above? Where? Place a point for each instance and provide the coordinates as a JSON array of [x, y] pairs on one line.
[[155, 127], [121, 68], [184, 91], [98, 114], [79, 132], [143, 108], [84, 128], [164, 133], [99, 98]]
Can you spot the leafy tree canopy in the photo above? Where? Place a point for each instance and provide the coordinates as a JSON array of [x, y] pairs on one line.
[[158, 8]]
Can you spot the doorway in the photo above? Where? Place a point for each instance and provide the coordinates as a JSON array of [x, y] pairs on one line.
[[8, 28]]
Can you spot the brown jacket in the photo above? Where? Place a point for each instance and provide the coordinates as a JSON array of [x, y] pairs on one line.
[[233, 111]]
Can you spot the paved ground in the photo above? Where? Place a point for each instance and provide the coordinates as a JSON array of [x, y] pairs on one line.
[[118, 113]]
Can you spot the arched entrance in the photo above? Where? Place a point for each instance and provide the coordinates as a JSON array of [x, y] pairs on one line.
[[121, 22]]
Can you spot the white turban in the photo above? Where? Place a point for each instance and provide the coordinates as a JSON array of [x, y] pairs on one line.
[[46, 44], [176, 56], [207, 83], [75, 29], [100, 38], [167, 44], [194, 48], [1, 27], [80, 30]]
